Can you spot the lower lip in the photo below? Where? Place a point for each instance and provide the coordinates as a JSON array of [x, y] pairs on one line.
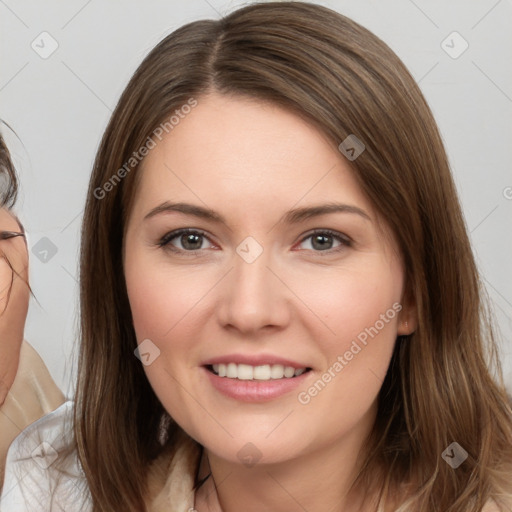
[[255, 390]]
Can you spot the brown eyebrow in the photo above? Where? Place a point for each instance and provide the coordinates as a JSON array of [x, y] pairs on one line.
[[291, 217]]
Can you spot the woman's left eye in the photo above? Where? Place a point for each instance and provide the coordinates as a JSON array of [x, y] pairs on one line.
[[191, 240], [322, 240]]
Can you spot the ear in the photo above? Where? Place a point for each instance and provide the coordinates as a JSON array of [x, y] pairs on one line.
[[408, 317]]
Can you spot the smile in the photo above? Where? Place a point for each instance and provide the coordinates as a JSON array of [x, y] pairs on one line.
[[260, 372]]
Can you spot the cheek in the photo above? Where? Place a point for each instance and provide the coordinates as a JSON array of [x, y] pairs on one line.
[[159, 300], [352, 300], [357, 333], [161, 310], [363, 317]]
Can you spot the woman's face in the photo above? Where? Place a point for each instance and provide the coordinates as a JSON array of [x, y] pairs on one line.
[[258, 290], [14, 299]]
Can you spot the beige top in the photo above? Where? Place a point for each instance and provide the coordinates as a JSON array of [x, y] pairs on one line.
[[171, 478], [32, 395]]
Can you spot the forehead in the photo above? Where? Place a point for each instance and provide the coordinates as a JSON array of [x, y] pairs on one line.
[[241, 151]]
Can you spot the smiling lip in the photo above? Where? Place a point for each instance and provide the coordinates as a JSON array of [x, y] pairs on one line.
[[254, 390], [256, 360]]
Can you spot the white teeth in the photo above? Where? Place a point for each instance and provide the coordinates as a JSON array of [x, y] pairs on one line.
[[289, 371], [232, 371], [245, 372], [262, 372], [277, 371]]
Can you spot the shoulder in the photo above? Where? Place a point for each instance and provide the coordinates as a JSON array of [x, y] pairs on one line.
[[42, 471], [31, 362], [34, 385], [32, 394], [491, 506], [171, 476]]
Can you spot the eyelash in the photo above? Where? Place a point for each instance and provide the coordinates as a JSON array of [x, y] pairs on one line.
[[167, 238]]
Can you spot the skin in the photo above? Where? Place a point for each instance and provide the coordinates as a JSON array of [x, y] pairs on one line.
[[252, 162], [13, 312]]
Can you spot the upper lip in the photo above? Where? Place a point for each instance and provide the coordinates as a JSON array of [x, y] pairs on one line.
[[254, 360]]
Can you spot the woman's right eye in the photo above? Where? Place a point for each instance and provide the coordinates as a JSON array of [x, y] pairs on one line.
[[191, 240]]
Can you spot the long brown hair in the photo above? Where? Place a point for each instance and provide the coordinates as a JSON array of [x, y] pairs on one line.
[[439, 387]]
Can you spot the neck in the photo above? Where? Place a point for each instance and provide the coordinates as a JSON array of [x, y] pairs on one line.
[[315, 481]]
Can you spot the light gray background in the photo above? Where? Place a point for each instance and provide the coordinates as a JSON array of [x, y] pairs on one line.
[[60, 105]]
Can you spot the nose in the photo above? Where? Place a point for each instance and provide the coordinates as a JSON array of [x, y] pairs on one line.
[[254, 297]]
